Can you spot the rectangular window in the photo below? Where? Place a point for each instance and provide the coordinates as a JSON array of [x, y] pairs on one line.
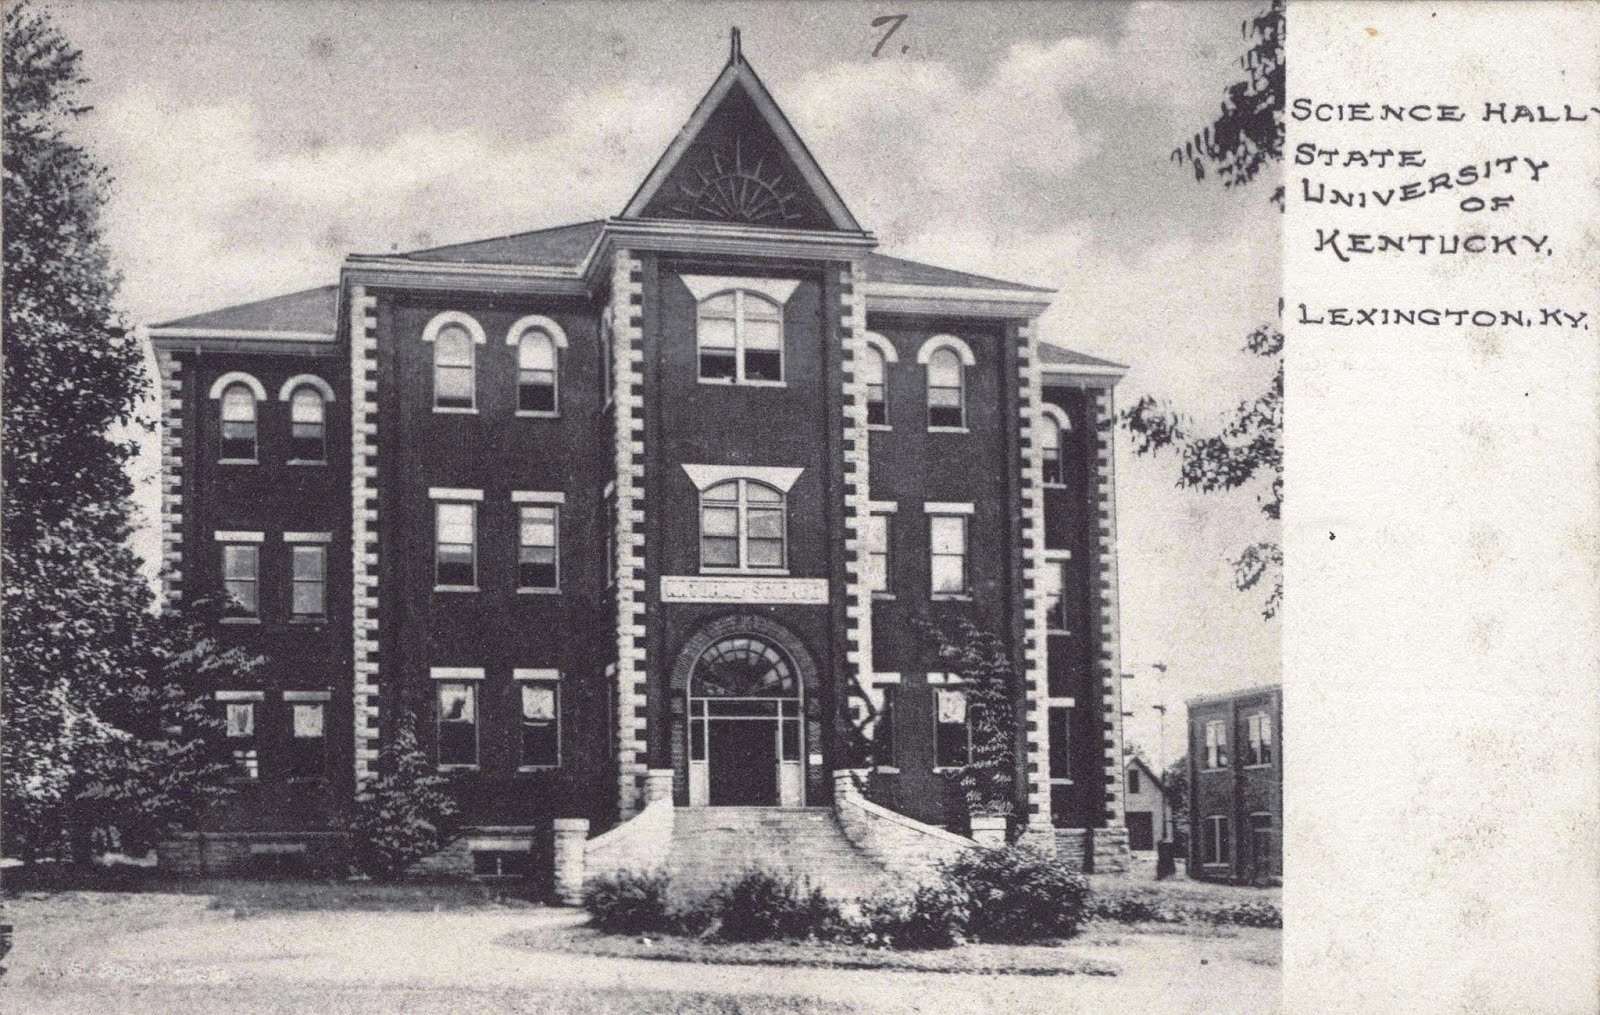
[[502, 863], [1053, 586], [310, 581], [948, 547], [1258, 745], [308, 426], [308, 739], [241, 732], [1216, 744], [877, 561], [1060, 743], [541, 725], [456, 545], [1217, 847], [538, 547], [953, 746], [458, 724], [883, 729], [1133, 780], [241, 578]]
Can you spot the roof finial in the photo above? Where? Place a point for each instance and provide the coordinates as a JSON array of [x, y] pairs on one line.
[[734, 56]]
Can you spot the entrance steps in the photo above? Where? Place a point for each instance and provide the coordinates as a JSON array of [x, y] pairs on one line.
[[714, 845]]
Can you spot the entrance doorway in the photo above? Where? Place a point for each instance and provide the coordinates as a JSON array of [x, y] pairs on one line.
[[744, 727]]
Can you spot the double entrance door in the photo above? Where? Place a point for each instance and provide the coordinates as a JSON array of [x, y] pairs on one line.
[[745, 752]]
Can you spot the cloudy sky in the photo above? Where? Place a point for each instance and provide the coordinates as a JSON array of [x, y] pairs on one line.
[[254, 144]]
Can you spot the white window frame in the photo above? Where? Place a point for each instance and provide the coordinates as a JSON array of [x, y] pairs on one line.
[[1216, 847], [538, 678], [258, 394], [1056, 620], [886, 354], [963, 513], [773, 291], [295, 581], [558, 346], [1053, 416], [554, 507], [1255, 723], [470, 499], [949, 686], [883, 512], [430, 335], [468, 677], [1216, 744], [965, 361], [742, 509], [225, 540]]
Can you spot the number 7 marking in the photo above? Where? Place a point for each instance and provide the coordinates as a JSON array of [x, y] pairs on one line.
[[897, 19]]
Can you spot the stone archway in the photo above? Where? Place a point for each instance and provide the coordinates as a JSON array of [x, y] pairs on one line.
[[732, 630]]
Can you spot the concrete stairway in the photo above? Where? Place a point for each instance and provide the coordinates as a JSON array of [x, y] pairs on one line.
[[714, 845]]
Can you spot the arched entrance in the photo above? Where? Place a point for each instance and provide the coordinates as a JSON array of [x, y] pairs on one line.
[[746, 725]]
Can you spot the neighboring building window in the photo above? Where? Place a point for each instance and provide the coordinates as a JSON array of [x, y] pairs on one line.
[[310, 580], [241, 578], [1133, 780], [953, 740], [877, 562], [541, 725], [454, 386], [456, 544], [238, 424], [740, 337], [307, 744], [1060, 723], [948, 549], [947, 398], [1216, 744], [458, 723], [1050, 450], [241, 730], [1217, 844], [536, 372], [538, 546], [872, 371], [308, 425], [742, 525], [1053, 584], [1258, 743]]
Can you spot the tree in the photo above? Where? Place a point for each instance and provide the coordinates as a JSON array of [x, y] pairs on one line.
[[1175, 781], [980, 661], [404, 813], [1245, 138], [89, 672]]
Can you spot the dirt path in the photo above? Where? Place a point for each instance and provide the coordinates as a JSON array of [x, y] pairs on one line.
[[172, 954]]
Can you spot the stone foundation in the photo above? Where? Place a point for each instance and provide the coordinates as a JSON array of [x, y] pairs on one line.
[[254, 854]]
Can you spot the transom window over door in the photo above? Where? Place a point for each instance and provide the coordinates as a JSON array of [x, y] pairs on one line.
[[742, 527]]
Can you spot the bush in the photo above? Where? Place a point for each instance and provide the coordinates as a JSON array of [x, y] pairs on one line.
[[629, 903], [1017, 894], [405, 814], [1248, 914], [1131, 909], [932, 915], [762, 906]]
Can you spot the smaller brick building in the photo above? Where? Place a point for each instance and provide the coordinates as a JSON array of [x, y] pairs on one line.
[[1236, 786]]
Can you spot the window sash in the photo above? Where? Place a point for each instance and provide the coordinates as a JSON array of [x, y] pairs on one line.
[[455, 543], [308, 739], [947, 541], [1216, 745], [309, 581], [539, 547], [241, 719], [238, 419], [241, 578], [743, 526], [952, 737], [1060, 728], [541, 725], [1054, 593], [457, 723], [740, 340], [454, 384], [877, 561]]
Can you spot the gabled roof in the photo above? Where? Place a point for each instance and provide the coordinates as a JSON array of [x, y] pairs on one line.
[[309, 311], [1154, 778], [736, 77]]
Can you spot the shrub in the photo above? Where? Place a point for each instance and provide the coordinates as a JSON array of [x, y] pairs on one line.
[[1017, 894], [932, 915], [762, 905], [1248, 914], [628, 902], [405, 814], [1130, 909]]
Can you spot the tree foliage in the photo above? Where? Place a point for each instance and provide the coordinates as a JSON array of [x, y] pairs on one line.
[[1245, 138], [1248, 133], [403, 814], [979, 660], [99, 742]]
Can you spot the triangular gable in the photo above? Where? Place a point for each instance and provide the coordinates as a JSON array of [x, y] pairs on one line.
[[738, 159]]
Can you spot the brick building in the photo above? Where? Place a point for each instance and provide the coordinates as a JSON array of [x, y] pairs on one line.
[[1236, 786], [643, 511]]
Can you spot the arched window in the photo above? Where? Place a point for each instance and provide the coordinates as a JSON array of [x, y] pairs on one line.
[[536, 372], [742, 527], [308, 425], [453, 382], [947, 395], [740, 337], [238, 423], [872, 372], [743, 666]]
